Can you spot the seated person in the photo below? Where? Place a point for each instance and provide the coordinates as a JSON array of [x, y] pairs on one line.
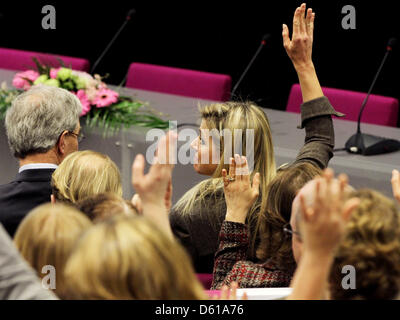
[[197, 217], [362, 233], [83, 174], [42, 128], [104, 205], [47, 236], [135, 257]]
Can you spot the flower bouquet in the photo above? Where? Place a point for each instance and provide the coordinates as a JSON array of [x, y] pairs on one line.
[[101, 106]]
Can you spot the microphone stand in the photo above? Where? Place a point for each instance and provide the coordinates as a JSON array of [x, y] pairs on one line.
[[263, 42], [367, 144], [128, 18]]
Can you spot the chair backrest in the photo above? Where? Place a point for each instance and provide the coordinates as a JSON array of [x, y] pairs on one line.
[[190, 83], [379, 110], [205, 279], [20, 60]]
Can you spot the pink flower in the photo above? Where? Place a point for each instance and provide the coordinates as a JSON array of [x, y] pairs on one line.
[[84, 101], [54, 72], [105, 97], [21, 79]]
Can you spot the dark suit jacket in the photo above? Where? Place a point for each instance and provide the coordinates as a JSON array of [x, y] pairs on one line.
[[30, 189]]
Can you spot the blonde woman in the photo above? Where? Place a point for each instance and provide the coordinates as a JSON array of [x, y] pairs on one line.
[[46, 237], [197, 218], [130, 258], [83, 174]]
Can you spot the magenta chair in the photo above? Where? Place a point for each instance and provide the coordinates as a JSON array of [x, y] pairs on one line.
[[205, 279], [189, 83], [20, 60], [379, 110]]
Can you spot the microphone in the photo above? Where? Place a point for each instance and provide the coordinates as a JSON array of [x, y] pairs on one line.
[[366, 144], [262, 45], [129, 16]]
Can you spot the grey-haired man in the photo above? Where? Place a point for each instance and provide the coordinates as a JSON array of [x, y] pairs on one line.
[[42, 128]]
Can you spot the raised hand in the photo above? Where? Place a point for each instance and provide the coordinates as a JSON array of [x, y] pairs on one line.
[[239, 193], [299, 48], [396, 184], [323, 223], [154, 189]]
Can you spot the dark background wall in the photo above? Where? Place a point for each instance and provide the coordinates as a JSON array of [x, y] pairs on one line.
[[216, 37]]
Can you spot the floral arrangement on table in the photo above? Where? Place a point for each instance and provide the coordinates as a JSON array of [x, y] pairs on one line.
[[101, 106]]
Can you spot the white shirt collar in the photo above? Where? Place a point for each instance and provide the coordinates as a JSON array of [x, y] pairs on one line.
[[38, 166]]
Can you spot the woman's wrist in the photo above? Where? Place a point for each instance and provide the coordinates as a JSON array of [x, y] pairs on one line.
[[238, 216], [304, 67], [324, 257]]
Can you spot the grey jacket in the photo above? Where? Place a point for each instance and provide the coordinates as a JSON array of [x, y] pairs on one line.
[[18, 281], [200, 237]]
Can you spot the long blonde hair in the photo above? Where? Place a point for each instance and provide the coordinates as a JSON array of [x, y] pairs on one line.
[[83, 174], [234, 115], [130, 258], [47, 236]]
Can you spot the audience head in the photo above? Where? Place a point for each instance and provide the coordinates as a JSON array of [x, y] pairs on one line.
[[104, 205], [224, 119], [46, 237], [372, 246], [41, 120], [234, 116], [83, 174], [130, 258], [272, 219]]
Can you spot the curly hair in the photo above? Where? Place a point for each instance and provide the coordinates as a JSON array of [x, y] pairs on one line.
[[372, 247]]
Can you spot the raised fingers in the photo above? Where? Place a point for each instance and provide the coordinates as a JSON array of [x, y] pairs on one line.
[[396, 184], [285, 36], [310, 22], [302, 18], [306, 213], [296, 23], [256, 183], [137, 170], [232, 168], [349, 207]]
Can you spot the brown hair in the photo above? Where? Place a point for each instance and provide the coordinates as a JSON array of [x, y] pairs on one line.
[[273, 244], [372, 247], [104, 205], [130, 258], [47, 235], [83, 174]]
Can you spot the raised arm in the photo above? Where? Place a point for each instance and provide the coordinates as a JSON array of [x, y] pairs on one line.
[[299, 50], [316, 110], [154, 189], [240, 195], [322, 226]]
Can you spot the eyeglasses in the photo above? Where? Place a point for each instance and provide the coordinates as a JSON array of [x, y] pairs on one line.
[[80, 136], [287, 229]]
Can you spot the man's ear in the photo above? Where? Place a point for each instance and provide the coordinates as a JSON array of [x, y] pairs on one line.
[[53, 199], [61, 143]]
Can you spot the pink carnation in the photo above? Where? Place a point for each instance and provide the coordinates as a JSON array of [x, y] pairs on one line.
[[105, 97], [54, 72], [84, 101], [21, 79]]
